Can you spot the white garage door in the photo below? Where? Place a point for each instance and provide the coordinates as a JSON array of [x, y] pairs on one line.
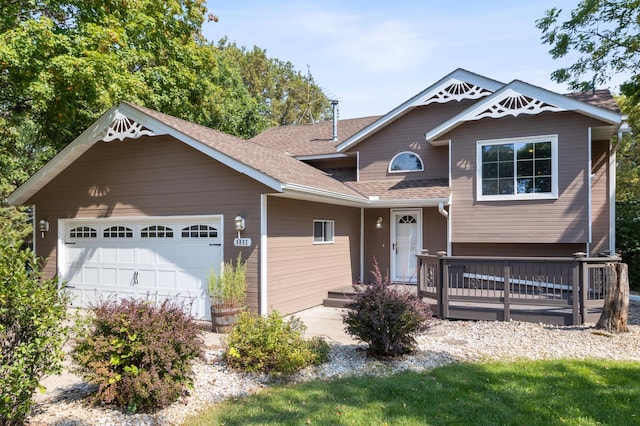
[[151, 259]]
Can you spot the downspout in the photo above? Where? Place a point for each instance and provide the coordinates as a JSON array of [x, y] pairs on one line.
[[263, 255], [589, 197], [361, 244], [445, 213]]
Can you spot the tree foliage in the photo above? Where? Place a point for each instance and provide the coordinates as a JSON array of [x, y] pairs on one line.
[[32, 330], [290, 96], [606, 36], [65, 62]]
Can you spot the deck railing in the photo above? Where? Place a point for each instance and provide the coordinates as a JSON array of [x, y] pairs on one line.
[[550, 290]]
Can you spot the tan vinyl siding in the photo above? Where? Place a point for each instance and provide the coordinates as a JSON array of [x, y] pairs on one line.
[[408, 134], [152, 176], [516, 250], [600, 197], [563, 220], [300, 273], [377, 240]]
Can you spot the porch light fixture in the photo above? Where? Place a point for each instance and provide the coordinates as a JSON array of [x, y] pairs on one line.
[[239, 223], [43, 227], [379, 222]]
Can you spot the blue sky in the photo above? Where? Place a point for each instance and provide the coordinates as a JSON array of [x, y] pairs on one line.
[[373, 55]]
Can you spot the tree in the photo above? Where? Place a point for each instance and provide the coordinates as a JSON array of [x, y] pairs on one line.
[[289, 96], [64, 63], [606, 35]]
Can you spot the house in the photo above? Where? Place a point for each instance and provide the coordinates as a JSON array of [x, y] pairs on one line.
[[144, 204]]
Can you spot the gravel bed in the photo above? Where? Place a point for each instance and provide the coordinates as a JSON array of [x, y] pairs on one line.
[[445, 342]]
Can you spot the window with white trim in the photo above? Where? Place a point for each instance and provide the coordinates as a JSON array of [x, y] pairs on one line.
[[156, 231], [118, 232], [323, 231], [406, 162], [199, 231], [83, 232], [521, 168]]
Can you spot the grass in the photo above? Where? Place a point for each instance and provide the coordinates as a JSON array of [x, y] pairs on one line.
[[560, 392]]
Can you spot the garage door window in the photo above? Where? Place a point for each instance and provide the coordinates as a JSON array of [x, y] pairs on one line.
[[156, 231], [199, 231], [83, 232], [118, 232]]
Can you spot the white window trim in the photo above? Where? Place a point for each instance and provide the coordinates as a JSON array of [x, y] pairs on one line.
[[333, 231], [406, 171], [529, 196]]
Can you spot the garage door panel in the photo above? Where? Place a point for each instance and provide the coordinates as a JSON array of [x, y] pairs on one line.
[[147, 263]]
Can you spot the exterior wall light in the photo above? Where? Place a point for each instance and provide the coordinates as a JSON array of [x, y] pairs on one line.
[[379, 222], [239, 223], [43, 227]]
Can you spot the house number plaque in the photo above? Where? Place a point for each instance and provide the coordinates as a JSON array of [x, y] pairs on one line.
[[242, 242]]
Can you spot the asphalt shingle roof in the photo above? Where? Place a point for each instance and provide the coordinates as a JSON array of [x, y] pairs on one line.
[[310, 139], [272, 162]]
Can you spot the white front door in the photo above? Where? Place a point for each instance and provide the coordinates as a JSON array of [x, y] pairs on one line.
[[406, 242]]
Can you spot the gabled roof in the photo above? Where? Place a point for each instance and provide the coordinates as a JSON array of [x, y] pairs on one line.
[[269, 166], [458, 85], [518, 98], [306, 140]]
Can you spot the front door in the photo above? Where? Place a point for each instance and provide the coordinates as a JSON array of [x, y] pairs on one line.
[[406, 242]]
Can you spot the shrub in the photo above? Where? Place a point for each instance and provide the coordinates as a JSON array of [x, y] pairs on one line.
[[32, 330], [385, 318], [138, 354], [272, 345]]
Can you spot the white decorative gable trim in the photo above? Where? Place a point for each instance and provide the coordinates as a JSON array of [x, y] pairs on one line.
[[123, 127], [454, 90], [514, 103]]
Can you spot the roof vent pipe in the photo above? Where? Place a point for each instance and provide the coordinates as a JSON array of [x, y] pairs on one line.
[[334, 110]]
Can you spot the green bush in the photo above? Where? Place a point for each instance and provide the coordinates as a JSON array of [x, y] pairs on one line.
[[138, 354], [32, 330], [385, 318], [628, 239], [272, 345]]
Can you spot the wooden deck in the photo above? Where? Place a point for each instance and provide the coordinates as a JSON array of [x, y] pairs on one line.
[[562, 291]]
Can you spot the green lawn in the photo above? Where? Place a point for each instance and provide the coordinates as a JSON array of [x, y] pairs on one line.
[[499, 393]]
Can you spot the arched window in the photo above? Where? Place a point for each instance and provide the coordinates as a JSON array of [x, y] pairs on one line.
[[406, 162]]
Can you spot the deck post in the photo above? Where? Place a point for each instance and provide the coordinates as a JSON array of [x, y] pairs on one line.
[[506, 273], [443, 288], [578, 289]]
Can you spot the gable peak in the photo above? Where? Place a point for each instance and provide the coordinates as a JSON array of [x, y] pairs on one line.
[[454, 89], [123, 127]]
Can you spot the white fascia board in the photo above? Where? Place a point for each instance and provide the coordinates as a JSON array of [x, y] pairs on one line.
[[161, 128], [459, 74], [63, 159], [319, 156], [560, 101], [311, 194], [314, 194]]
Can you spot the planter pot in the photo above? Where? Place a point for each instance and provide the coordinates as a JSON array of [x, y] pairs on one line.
[[222, 319]]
